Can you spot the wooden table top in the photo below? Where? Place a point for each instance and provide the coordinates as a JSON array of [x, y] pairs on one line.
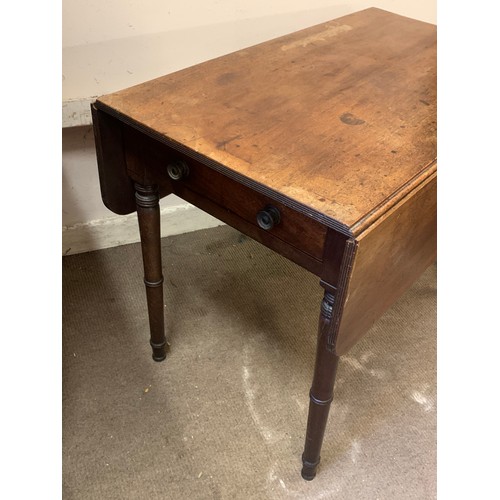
[[340, 117]]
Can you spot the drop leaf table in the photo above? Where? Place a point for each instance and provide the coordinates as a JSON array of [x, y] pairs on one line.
[[321, 145]]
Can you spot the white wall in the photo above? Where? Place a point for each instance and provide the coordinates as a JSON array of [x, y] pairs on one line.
[[113, 44], [108, 45], [90, 21]]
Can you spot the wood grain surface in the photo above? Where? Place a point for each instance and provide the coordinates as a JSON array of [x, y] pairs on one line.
[[147, 161], [117, 189], [340, 117], [389, 257]]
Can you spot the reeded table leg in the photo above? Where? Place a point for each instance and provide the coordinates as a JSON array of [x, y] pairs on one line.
[[321, 393], [148, 214]]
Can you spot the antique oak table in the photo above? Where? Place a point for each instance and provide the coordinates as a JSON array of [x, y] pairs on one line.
[[320, 145]]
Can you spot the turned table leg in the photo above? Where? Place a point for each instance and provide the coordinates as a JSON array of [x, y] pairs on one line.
[[148, 215], [321, 393]]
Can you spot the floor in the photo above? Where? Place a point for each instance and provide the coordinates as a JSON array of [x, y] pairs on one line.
[[224, 416]]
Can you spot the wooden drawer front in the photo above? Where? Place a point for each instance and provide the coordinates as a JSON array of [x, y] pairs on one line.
[[147, 162]]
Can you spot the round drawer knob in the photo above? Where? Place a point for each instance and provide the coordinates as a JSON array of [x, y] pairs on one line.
[[268, 217], [177, 169]]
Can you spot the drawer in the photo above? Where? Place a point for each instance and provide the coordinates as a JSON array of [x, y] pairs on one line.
[[151, 162]]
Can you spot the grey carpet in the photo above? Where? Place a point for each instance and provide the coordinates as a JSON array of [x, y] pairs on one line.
[[224, 416]]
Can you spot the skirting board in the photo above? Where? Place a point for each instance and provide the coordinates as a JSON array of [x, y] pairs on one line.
[[121, 230]]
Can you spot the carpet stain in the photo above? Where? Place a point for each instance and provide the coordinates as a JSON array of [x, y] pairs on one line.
[[264, 431], [426, 402], [355, 451], [316, 490], [302, 406], [358, 366]]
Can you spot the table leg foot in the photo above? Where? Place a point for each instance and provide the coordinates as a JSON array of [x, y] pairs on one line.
[[321, 394], [309, 469], [148, 215], [159, 350]]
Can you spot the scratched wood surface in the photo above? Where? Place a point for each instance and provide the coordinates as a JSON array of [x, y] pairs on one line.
[[340, 116]]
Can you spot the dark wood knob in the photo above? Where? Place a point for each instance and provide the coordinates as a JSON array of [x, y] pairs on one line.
[[177, 170], [268, 217]]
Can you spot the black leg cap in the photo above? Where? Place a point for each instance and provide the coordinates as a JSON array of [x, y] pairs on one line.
[[308, 474], [309, 469], [160, 350], [159, 357]]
